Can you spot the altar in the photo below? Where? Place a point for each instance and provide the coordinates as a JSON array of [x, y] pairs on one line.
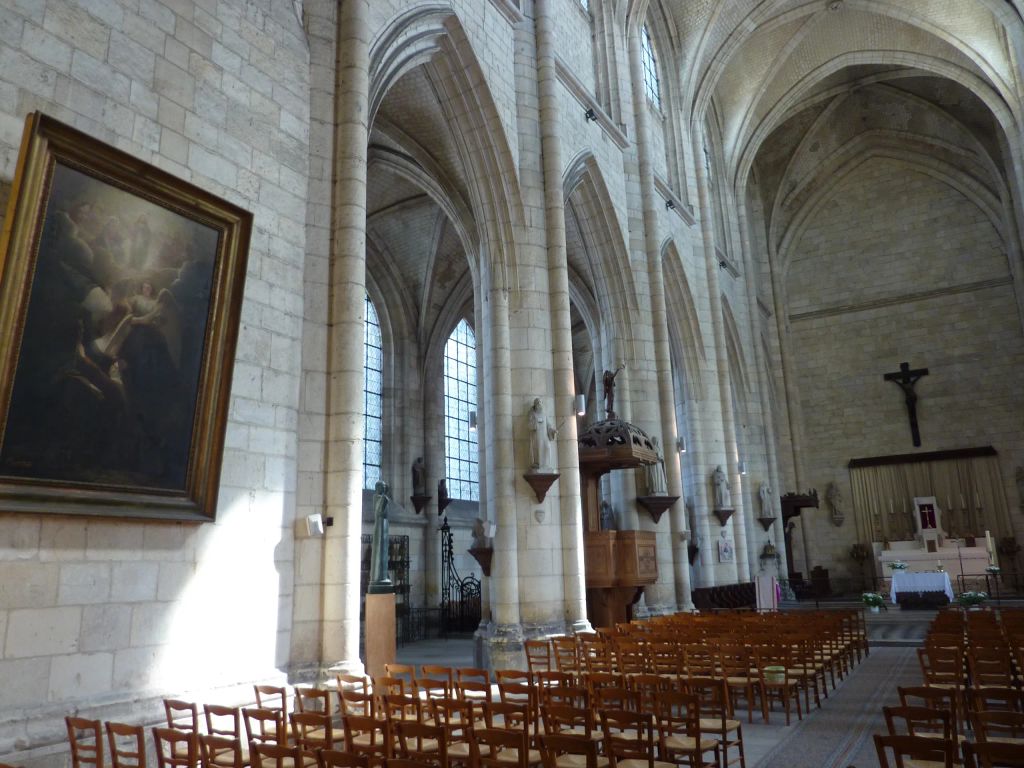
[[920, 590], [949, 556]]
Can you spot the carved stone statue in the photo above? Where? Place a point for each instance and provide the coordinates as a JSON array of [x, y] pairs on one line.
[[765, 494], [443, 499], [542, 433], [834, 497], [657, 484], [379, 579], [479, 534], [607, 517], [723, 499], [419, 477], [609, 391], [1020, 486]]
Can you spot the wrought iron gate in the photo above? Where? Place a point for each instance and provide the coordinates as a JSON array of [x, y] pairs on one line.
[[460, 597]]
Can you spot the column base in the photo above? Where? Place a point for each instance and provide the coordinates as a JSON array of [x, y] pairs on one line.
[[580, 625], [344, 667], [499, 646]]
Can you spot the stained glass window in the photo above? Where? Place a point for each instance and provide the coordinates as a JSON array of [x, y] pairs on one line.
[[373, 388], [460, 444], [651, 84]]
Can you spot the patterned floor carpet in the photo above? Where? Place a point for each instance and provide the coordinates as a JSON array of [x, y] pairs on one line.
[[839, 734]]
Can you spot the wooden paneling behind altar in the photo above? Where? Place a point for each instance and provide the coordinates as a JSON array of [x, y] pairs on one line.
[[967, 484]]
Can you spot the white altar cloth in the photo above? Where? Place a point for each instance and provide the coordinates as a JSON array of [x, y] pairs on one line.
[[907, 581]]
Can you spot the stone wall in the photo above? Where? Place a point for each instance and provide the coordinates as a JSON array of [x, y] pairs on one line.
[[103, 617], [899, 266]]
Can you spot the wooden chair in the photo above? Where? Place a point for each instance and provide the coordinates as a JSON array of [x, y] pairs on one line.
[[273, 697], [931, 752], [994, 697], [265, 726], [919, 721], [425, 744], [86, 740], [405, 672], [572, 695], [222, 752], [354, 702], [433, 688], [367, 736], [359, 683], [175, 748], [182, 715], [739, 667], [993, 754], [522, 693], [127, 745], [562, 750], [1004, 727], [477, 691], [571, 721], [617, 698], [565, 651], [516, 718], [538, 656], [403, 708], [679, 735], [223, 721], [779, 681], [933, 698], [269, 755], [648, 686], [629, 737], [716, 719], [498, 748], [335, 758], [472, 673], [312, 731], [309, 699], [457, 717]]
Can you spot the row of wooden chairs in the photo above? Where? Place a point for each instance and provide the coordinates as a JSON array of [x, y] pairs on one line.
[[943, 753]]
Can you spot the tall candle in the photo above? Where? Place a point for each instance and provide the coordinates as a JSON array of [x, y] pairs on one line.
[[962, 505], [977, 501], [988, 543], [890, 506]]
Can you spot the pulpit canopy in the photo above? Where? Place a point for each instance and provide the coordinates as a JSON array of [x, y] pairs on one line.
[[615, 444]]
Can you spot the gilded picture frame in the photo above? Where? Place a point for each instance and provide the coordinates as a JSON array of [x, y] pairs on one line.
[[120, 293]]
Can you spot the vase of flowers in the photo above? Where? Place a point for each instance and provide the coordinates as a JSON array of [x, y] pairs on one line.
[[993, 570], [898, 565], [971, 599], [873, 601]]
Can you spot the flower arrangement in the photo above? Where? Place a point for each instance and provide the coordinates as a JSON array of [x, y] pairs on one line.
[[968, 599], [898, 565], [993, 569], [873, 600]]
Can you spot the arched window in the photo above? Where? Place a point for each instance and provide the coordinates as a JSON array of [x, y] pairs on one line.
[[650, 62], [373, 388], [460, 451]]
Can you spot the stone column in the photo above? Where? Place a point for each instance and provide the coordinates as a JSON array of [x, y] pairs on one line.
[[344, 476], [504, 638], [659, 323], [724, 574], [573, 574], [760, 364], [793, 406]]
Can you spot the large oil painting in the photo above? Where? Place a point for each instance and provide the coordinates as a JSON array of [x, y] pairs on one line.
[[121, 288]]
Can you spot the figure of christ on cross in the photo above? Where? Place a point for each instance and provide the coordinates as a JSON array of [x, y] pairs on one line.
[[906, 379]]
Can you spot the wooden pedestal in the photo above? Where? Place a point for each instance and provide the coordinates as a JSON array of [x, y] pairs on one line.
[[380, 633]]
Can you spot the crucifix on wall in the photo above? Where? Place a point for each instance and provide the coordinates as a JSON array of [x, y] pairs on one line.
[[906, 379]]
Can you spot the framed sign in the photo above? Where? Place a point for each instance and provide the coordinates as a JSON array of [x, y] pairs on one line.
[[120, 292], [726, 553]]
